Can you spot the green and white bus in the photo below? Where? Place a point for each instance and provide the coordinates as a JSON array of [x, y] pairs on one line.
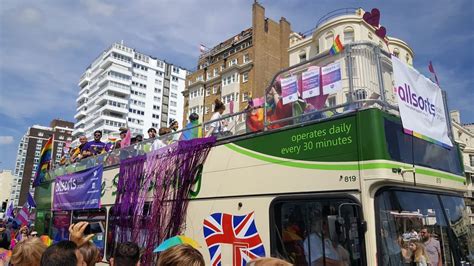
[[340, 184]]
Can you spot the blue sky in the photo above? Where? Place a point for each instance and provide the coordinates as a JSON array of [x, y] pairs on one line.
[[46, 45]]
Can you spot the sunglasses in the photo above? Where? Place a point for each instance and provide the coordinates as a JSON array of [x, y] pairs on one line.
[[100, 135]]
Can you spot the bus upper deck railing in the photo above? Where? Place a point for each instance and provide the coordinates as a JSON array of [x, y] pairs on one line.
[[366, 81]]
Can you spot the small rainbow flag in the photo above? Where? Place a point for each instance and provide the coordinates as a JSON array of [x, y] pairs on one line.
[[45, 159], [337, 46]]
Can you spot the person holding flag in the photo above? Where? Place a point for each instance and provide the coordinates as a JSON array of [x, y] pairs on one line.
[[44, 162]]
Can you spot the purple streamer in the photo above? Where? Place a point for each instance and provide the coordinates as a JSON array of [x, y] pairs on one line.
[[153, 193]]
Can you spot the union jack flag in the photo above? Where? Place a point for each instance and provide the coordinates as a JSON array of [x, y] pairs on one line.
[[238, 231]]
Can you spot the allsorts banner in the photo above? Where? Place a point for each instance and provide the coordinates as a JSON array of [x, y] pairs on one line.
[[289, 88], [421, 105], [331, 78], [310, 81], [77, 191]]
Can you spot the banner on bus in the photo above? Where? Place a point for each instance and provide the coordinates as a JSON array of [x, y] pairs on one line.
[[421, 105], [310, 82], [77, 191], [289, 89]]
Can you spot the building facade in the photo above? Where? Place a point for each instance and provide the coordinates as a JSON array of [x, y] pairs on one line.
[[464, 136], [238, 67], [28, 155], [351, 27], [6, 181], [125, 88]]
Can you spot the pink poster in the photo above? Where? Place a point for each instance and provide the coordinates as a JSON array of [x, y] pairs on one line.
[[289, 89], [310, 81]]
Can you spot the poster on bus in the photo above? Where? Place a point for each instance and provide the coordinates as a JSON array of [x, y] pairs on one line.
[[421, 105], [310, 82], [331, 78], [289, 89], [78, 191]]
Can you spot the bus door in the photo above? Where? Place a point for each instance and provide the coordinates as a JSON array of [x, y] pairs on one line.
[[317, 230]]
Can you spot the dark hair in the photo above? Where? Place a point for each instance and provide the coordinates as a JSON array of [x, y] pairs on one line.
[[98, 131], [62, 253], [151, 129], [126, 254], [164, 131], [218, 105], [193, 117], [139, 137]]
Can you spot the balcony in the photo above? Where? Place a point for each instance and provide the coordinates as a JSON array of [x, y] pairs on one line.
[[80, 114], [115, 61], [122, 109], [110, 97]]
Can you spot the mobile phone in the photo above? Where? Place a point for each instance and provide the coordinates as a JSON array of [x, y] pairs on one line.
[[94, 228]]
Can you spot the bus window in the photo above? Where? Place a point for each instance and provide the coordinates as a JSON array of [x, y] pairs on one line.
[[405, 148], [404, 217], [459, 220], [316, 232], [96, 218], [61, 222]]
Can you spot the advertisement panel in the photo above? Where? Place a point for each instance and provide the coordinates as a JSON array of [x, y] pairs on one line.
[[289, 88], [78, 191], [421, 105], [331, 78], [310, 81]]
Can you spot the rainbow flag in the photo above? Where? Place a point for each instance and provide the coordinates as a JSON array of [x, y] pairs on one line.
[[337, 46], [45, 160]]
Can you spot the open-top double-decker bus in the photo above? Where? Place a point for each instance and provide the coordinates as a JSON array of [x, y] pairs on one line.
[[334, 180]]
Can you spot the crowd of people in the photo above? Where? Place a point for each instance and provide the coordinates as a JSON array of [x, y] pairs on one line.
[[165, 136], [415, 248], [29, 250]]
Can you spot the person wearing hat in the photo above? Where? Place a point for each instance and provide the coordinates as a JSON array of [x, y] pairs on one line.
[[123, 134]]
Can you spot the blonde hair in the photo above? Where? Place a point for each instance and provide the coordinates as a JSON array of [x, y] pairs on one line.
[[419, 252], [181, 255], [268, 262], [28, 252], [90, 253]]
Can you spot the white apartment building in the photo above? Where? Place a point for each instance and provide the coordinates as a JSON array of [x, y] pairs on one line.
[[351, 27], [125, 88], [29, 152], [6, 182]]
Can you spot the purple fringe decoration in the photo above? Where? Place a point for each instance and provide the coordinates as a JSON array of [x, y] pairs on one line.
[[153, 194]]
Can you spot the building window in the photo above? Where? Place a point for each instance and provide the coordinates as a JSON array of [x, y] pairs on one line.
[[208, 92], [245, 96], [407, 57], [329, 39], [471, 159], [332, 101], [216, 71], [302, 56], [348, 35], [245, 77], [246, 58], [233, 62], [214, 89], [360, 94]]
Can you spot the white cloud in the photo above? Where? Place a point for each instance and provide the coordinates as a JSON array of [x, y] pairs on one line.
[[99, 7], [5, 140], [29, 16]]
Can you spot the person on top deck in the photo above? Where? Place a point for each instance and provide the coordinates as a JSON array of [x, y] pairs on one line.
[[94, 147], [217, 126], [277, 110], [191, 129]]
